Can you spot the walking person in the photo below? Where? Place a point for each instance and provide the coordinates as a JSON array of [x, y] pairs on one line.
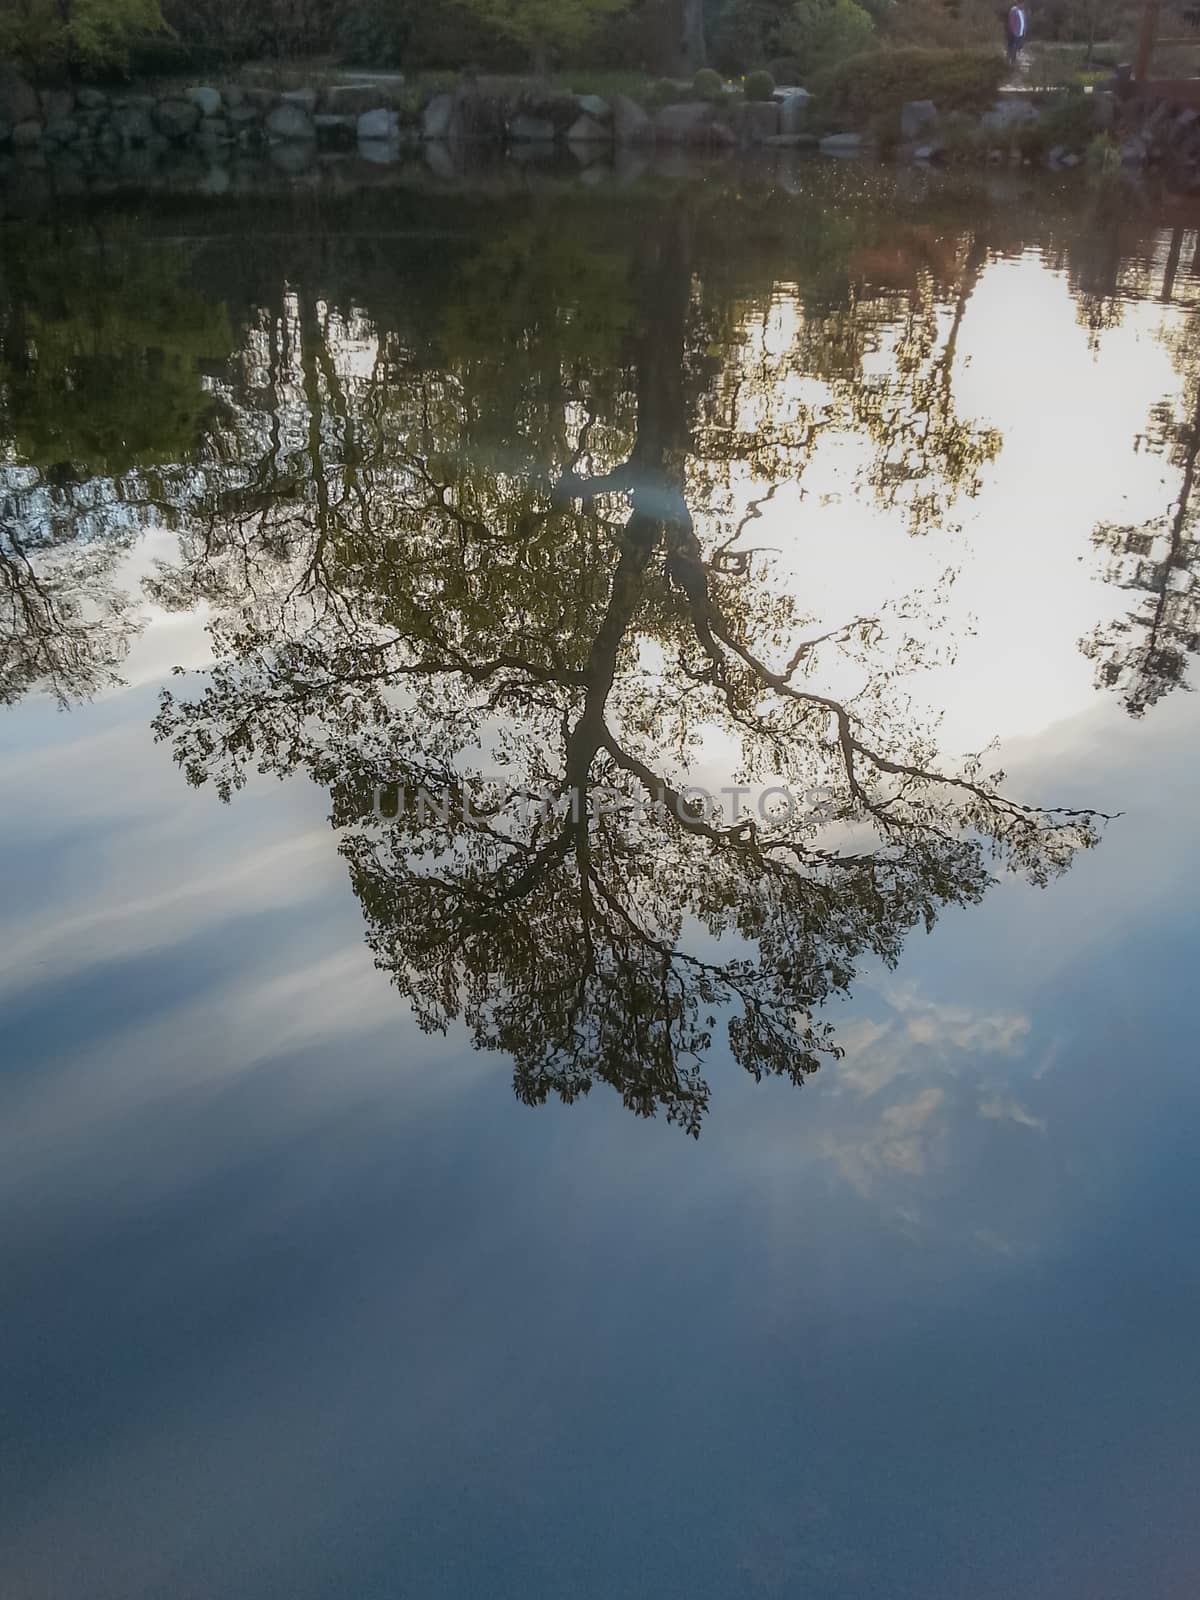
[[1014, 31]]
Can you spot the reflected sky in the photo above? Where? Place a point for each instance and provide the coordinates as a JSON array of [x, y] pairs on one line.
[[300, 1300]]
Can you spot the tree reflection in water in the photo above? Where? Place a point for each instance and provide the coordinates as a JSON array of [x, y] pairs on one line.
[[507, 528]]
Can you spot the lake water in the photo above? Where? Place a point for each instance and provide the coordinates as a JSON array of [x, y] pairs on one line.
[[599, 931]]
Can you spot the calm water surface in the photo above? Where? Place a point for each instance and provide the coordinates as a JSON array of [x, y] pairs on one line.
[[611, 1187]]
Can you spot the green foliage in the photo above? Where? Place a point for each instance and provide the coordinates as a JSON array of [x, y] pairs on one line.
[[663, 92], [542, 26], [708, 84], [91, 34], [376, 32], [759, 86], [101, 370], [871, 88], [1103, 154], [822, 33], [1071, 121], [749, 33]]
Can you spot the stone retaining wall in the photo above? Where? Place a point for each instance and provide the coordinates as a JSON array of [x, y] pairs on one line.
[[95, 125]]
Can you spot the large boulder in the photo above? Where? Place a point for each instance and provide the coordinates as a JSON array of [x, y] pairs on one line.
[[352, 99], [631, 125], [586, 130], [214, 133], [305, 99], [91, 100], [685, 124], [793, 111], [915, 117], [63, 130], [132, 125], [176, 120], [57, 104], [1008, 113], [18, 99], [755, 121], [207, 101], [438, 118], [378, 124], [531, 130], [591, 105], [290, 123], [27, 135], [841, 144]]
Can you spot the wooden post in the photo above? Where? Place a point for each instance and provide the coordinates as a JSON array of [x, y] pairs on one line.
[[1145, 49]]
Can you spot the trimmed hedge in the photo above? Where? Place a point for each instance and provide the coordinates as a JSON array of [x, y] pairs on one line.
[[759, 86], [871, 88]]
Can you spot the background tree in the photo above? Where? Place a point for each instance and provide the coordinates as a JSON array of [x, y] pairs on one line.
[[545, 28], [86, 34], [475, 587]]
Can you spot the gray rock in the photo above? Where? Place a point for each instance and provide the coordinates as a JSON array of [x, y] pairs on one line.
[[591, 105], [915, 117], [792, 141], [91, 100], [685, 124], [756, 121], [207, 101], [1104, 109], [926, 154], [1055, 154], [290, 124], [1008, 114], [233, 95], [531, 130], [242, 116], [176, 119], [18, 99], [1071, 159], [380, 152], [588, 131], [293, 156], [133, 125], [305, 99], [213, 133], [439, 158], [27, 135], [378, 124], [352, 99], [63, 130], [1133, 152], [793, 111], [438, 117], [841, 144], [57, 104], [631, 125], [215, 181], [140, 102]]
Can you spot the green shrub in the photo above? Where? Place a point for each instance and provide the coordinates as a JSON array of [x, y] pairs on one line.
[[1070, 121], [759, 86], [872, 87], [823, 33], [707, 84], [663, 92], [375, 33], [786, 69]]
